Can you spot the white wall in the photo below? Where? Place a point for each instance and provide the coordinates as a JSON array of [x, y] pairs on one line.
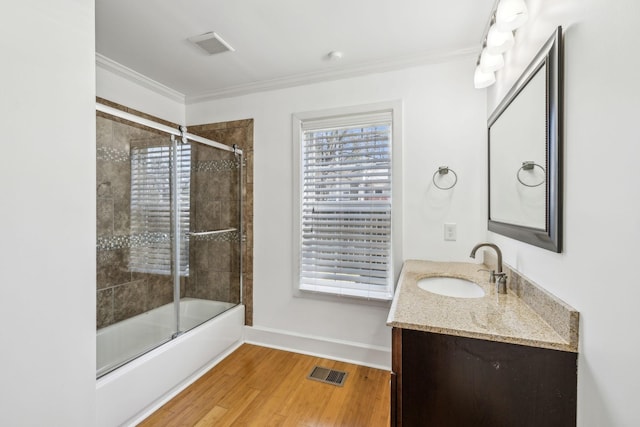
[[444, 121], [47, 166], [596, 271]]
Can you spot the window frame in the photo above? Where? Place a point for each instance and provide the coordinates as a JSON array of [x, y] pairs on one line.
[[338, 115]]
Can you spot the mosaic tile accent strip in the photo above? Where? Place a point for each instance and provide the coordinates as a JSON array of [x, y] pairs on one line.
[[111, 154], [111, 243], [215, 166]]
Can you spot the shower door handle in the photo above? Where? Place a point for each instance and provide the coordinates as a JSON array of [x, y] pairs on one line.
[[209, 233]]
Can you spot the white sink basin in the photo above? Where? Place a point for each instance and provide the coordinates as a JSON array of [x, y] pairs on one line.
[[451, 287]]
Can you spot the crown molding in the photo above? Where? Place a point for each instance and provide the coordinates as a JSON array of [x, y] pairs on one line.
[[336, 74], [356, 70], [137, 78]]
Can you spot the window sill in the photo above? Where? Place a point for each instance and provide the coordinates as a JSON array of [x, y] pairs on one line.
[[342, 298]]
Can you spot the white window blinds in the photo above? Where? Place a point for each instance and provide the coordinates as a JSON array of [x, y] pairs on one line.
[[151, 208], [346, 206]]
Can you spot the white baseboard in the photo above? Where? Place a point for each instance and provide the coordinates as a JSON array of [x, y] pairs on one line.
[[345, 351]]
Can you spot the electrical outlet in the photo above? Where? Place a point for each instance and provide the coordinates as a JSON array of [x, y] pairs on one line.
[[450, 232]]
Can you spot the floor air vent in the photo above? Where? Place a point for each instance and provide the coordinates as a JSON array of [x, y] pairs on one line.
[[329, 376]]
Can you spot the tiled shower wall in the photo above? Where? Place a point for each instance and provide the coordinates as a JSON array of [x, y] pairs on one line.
[[214, 260]]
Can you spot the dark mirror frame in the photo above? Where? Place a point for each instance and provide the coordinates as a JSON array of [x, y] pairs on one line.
[[550, 238]]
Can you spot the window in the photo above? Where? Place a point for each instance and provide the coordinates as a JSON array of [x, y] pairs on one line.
[[151, 208], [345, 212]]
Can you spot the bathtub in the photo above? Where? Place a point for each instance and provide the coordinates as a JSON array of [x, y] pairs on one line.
[[134, 390], [119, 343]]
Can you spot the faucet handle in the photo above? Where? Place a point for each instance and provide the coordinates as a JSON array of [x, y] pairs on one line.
[[501, 282], [492, 274]]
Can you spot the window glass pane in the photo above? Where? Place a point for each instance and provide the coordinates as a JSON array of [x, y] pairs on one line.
[[346, 208]]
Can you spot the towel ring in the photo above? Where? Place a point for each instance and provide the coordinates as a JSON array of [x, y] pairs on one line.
[[443, 170], [527, 166]]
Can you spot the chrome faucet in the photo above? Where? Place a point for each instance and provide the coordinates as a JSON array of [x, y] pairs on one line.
[[499, 277]]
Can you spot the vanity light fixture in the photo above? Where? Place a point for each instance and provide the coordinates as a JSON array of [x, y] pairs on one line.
[[506, 16], [499, 41], [483, 79], [490, 62], [511, 14]]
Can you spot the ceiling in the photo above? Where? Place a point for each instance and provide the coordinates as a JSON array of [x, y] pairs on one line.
[[280, 43]]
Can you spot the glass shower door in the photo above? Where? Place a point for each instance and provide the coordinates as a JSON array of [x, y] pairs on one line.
[[214, 238], [136, 268]]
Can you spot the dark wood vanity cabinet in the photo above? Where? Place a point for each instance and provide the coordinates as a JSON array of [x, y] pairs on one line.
[[444, 380]]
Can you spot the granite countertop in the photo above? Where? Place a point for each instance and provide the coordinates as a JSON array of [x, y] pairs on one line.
[[494, 317]]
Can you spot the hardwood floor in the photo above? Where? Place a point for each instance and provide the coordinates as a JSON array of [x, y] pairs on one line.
[[259, 386]]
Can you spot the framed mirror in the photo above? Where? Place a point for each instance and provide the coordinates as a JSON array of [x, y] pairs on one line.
[[525, 147]]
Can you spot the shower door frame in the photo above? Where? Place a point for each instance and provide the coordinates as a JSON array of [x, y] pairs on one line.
[[181, 131]]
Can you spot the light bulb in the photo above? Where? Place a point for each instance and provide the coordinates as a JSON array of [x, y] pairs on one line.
[[483, 79], [499, 41], [511, 14], [490, 62]]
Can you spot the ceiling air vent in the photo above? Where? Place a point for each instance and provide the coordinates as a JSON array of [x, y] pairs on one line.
[[211, 43]]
